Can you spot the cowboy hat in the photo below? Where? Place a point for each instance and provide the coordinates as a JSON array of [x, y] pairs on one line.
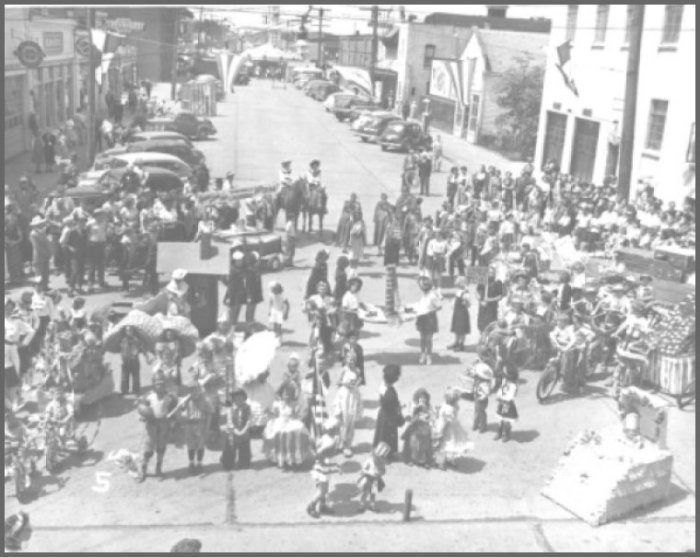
[[179, 274], [315, 162], [37, 221], [355, 280]]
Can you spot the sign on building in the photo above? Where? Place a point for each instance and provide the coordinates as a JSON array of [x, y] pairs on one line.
[[445, 79]]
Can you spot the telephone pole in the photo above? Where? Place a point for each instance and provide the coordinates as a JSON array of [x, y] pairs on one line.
[[320, 38], [375, 40], [91, 131], [173, 75], [630, 110]]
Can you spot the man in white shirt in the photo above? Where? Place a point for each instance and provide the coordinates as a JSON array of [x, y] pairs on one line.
[[96, 247], [285, 176]]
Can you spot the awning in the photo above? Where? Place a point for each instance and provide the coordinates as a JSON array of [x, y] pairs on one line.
[[391, 39], [385, 73], [355, 77]]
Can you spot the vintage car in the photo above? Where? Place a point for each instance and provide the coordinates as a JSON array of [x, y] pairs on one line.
[[403, 135], [341, 104], [185, 123], [151, 136], [371, 128], [267, 245], [321, 91], [175, 147], [161, 160]]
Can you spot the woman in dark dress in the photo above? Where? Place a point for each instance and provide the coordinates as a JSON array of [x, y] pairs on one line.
[[461, 323], [49, 151], [488, 305], [319, 273], [341, 279], [389, 417]]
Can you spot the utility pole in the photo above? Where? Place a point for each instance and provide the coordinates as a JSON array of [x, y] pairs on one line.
[[320, 38], [176, 36], [375, 45], [91, 90], [199, 35], [630, 110]]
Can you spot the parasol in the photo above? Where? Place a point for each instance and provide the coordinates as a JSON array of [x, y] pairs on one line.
[[186, 332], [255, 356], [147, 329]]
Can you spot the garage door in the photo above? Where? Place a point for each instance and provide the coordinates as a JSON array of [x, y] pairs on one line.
[[555, 132], [585, 144]]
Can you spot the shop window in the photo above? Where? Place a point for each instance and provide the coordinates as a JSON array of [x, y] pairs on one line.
[[672, 23], [657, 123], [601, 23]]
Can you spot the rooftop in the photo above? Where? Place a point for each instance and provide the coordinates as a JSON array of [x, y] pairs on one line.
[[539, 25]]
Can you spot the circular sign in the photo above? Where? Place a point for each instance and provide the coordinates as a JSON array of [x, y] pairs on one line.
[[29, 54], [82, 46]]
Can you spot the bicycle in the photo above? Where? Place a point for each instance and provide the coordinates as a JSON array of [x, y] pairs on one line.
[[553, 373]]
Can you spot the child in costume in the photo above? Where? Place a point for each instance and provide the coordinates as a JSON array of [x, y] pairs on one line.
[[372, 473], [348, 402], [452, 439], [483, 380], [418, 439], [197, 413], [154, 409], [279, 309], [506, 408], [389, 417], [238, 423], [323, 468], [59, 412]]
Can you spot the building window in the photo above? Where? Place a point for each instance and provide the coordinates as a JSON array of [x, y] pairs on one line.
[[601, 23], [628, 23], [657, 122], [571, 17], [429, 55], [672, 23]]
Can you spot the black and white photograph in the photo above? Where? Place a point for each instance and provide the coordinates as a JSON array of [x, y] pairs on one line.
[[349, 278]]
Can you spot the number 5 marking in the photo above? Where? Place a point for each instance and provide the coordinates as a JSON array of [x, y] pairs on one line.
[[102, 479]]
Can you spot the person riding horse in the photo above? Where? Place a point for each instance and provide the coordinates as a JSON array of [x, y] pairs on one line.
[[286, 178], [313, 181]]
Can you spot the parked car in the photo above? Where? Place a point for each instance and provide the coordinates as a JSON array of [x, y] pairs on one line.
[[403, 135], [185, 123], [161, 160], [302, 76], [150, 136], [374, 125], [343, 102], [321, 92], [106, 181], [312, 84], [193, 157], [359, 110]]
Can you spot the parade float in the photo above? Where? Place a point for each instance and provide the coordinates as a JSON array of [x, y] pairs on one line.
[[608, 474]]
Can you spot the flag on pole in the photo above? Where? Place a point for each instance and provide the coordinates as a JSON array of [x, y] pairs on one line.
[[564, 55]]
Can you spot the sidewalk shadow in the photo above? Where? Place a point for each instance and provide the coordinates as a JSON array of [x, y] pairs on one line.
[[341, 499], [350, 467], [366, 422], [116, 406], [467, 465], [409, 359], [370, 404], [362, 448], [39, 487], [676, 494], [524, 436], [365, 334]]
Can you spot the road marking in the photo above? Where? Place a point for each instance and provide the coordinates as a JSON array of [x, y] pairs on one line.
[[541, 539], [230, 500]]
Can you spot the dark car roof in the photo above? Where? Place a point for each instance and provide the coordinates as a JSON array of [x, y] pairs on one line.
[[155, 174], [160, 136], [150, 144]]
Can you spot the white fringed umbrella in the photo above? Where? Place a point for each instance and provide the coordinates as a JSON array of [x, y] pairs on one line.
[[255, 356]]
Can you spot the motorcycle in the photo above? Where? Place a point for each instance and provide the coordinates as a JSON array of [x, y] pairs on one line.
[[554, 373], [54, 445], [631, 362]]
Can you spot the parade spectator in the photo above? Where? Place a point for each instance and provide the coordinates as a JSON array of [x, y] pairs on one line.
[[425, 169], [437, 154], [389, 417], [373, 471], [461, 323], [426, 319], [14, 258], [278, 312], [417, 437], [96, 229], [358, 237], [489, 298], [236, 454], [348, 402], [253, 286], [41, 250]]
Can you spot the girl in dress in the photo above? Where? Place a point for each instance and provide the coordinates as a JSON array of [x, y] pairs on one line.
[[341, 279], [389, 417], [418, 441], [348, 403], [373, 472], [426, 321], [358, 235], [350, 322], [506, 408], [452, 439], [168, 354], [287, 441], [461, 324], [436, 254], [489, 296], [279, 309]]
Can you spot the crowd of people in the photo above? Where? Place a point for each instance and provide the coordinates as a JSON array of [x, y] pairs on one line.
[[488, 220]]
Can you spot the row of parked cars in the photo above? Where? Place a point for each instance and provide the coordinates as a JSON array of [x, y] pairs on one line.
[[368, 119]]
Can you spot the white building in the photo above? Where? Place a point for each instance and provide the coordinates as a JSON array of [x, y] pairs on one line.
[[582, 131]]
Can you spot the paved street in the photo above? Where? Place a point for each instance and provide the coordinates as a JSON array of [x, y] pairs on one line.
[[492, 503]]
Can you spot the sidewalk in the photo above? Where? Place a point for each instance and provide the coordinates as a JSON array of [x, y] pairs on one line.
[[458, 152]]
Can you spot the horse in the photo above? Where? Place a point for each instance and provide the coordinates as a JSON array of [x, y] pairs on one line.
[[313, 205], [291, 199]]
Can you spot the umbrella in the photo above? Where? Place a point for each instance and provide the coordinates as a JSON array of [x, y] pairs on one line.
[[186, 332], [147, 329], [255, 356]]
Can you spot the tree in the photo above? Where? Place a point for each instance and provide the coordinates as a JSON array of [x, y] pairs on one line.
[[520, 95]]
